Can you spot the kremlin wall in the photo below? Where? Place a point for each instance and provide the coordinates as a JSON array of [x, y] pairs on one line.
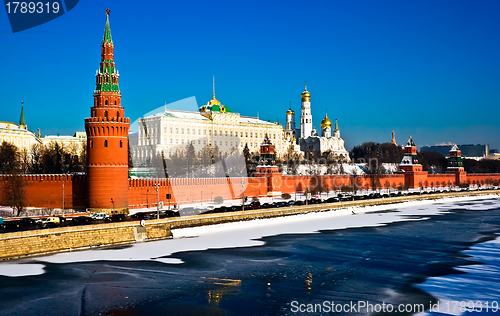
[[107, 188]]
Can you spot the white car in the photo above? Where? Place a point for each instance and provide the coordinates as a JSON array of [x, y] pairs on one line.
[[100, 216]]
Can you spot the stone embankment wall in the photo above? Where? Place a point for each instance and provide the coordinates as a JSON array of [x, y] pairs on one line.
[[33, 242], [37, 242]]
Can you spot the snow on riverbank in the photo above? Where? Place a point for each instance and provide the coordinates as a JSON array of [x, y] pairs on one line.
[[249, 233]]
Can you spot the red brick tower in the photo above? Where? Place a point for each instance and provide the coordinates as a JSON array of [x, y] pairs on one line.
[[107, 138], [267, 167], [455, 165], [411, 167]]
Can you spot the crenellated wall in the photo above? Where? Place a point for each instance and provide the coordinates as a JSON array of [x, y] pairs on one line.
[[46, 191], [142, 192]]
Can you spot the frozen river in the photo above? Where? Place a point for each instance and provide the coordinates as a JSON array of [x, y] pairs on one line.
[[414, 253]]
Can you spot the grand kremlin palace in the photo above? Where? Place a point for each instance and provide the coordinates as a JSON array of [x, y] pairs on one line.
[[214, 125]]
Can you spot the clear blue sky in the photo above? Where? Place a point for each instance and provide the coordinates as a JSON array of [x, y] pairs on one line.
[[429, 68]]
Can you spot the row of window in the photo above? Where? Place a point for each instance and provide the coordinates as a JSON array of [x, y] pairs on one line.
[[215, 133], [105, 103], [105, 143]]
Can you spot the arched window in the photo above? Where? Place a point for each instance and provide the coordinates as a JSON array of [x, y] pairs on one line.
[[91, 144], [106, 102], [115, 102], [106, 114], [121, 143], [117, 113], [106, 143]]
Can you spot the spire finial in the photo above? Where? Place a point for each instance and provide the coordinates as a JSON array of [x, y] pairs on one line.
[[290, 106], [107, 30], [213, 86], [22, 120], [305, 85]]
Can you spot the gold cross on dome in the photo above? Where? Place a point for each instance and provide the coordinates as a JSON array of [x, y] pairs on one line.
[[107, 11]]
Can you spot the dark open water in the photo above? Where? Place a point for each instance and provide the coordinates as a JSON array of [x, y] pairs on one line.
[[409, 262]]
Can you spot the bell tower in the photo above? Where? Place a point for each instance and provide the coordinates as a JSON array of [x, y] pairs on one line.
[[107, 137], [305, 115]]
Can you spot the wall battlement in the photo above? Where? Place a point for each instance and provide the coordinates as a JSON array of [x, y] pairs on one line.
[[47, 191]]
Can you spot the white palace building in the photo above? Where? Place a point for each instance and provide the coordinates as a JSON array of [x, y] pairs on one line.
[[217, 125], [214, 125]]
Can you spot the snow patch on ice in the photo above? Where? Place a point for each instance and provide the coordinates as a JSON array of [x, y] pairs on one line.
[[244, 234]]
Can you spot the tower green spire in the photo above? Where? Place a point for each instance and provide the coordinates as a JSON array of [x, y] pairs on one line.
[[107, 30], [22, 120]]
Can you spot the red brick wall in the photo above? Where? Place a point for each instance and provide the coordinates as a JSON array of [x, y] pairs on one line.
[[291, 184], [46, 191], [436, 180], [483, 178], [142, 193]]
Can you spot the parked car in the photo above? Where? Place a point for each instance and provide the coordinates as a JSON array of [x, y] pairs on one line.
[[49, 225], [80, 220], [236, 208], [118, 217], [26, 221], [51, 219], [170, 213], [138, 215], [332, 200], [100, 216]]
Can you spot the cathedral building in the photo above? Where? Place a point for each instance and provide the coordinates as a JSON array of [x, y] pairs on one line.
[[309, 139]]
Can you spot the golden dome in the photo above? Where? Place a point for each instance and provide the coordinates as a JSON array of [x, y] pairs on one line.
[[290, 112], [214, 101], [306, 96], [326, 122]]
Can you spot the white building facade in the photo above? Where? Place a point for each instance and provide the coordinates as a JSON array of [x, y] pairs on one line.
[[213, 125]]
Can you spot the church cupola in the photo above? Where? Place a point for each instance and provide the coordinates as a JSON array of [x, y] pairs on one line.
[[326, 127], [306, 96]]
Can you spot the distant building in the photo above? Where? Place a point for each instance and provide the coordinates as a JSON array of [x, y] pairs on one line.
[[75, 143], [18, 134], [309, 138], [468, 151]]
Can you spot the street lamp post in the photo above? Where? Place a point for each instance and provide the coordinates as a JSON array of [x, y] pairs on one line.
[[243, 195], [157, 185], [63, 199]]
